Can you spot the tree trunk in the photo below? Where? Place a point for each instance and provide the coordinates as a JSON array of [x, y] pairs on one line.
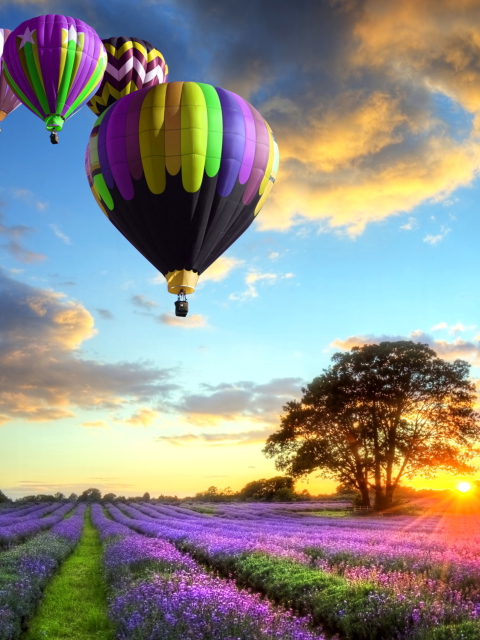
[[363, 487]]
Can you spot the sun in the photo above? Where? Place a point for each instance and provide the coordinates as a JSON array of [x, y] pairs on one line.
[[464, 486]]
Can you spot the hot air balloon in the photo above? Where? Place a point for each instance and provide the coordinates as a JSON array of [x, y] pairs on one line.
[[8, 100], [181, 170], [53, 63], [132, 64]]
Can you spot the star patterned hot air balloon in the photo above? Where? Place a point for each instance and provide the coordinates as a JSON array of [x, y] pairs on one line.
[[132, 64], [53, 63], [181, 170], [8, 100]]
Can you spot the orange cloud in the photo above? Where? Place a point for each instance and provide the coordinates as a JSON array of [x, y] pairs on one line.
[[196, 321], [220, 269], [463, 349], [142, 417], [97, 424]]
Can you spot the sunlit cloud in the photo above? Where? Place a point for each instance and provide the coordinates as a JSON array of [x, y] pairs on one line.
[[40, 333], [96, 424], [64, 238], [218, 439], [250, 280], [142, 418], [220, 269], [458, 348], [196, 321], [239, 400]]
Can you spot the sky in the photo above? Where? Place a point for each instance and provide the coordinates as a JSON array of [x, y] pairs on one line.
[[370, 233]]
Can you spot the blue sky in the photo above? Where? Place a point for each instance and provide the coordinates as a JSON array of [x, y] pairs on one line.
[[371, 232]]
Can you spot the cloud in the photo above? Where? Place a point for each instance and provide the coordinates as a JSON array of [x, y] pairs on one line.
[[243, 399], [40, 334], [197, 321], [464, 349], [29, 198], [220, 269], [439, 326], [251, 290], [96, 424], [143, 418], [409, 225], [218, 439], [361, 104], [59, 234], [141, 301], [429, 239], [256, 276], [105, 314], [23, 255], [13, 246]]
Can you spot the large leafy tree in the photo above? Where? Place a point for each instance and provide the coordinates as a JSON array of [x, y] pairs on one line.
[[378, 414]]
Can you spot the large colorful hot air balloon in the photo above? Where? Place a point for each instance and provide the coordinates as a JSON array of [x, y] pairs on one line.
[[181, 170], [53, 63], [132, 64], [8, 100]]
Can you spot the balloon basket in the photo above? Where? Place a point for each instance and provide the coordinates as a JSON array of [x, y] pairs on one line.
[[181, 305], [54, 138]]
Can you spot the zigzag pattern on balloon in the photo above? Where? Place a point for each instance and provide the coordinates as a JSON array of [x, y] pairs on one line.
[[132, 64]]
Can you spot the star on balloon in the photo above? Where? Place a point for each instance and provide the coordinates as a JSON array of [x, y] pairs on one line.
[[71, 34], [27, 37]]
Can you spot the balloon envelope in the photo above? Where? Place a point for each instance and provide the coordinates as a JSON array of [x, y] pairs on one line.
[[8, 100], [181, 170], [132, 64], [53, 63]]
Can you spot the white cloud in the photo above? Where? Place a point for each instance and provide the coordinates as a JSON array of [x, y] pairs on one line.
[[429, 239], [409, 225], [60, 234], [251, 279]]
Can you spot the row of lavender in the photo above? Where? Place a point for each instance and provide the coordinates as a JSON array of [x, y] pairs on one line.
[[439, 546], [18, 526], [158, 592], [348, 564], [25, 569]]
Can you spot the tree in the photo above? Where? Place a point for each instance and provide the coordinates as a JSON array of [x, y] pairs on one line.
[[3, 497], [59, 496], [146, 497], [72, 497], [279, 488], [109, 497], [90, 495], [380, 413]]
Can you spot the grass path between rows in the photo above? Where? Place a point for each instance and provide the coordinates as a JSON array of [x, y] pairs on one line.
[[74, 605]]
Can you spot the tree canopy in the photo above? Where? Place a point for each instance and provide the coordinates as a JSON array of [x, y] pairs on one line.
[[380, 413]]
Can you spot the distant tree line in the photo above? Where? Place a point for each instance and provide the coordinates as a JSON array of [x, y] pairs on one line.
[[277, 489]]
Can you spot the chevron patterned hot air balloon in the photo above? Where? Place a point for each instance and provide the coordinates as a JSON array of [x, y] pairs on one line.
[[53, 63], [8, 100], [132, 64], [181, 170]]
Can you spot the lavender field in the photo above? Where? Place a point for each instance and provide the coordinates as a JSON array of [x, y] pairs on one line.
[[252, 571]]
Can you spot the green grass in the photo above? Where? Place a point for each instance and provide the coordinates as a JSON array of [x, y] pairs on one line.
[[74, 606], [326, 513]]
